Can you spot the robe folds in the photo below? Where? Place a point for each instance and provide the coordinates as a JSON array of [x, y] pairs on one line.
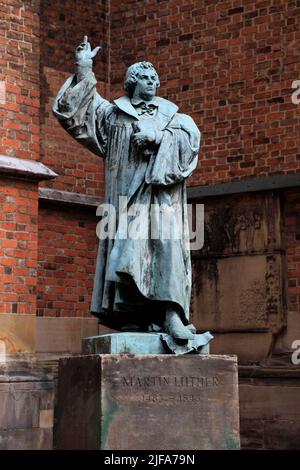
[[136, 276]]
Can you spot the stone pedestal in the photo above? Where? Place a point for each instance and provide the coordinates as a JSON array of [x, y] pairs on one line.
[[149, 402], [137, 343]]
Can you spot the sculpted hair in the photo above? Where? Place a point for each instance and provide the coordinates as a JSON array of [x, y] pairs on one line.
[[132, 74]]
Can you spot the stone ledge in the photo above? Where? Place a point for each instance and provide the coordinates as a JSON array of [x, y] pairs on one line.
[[268, 183], [63, 334], [44, 366], [21, 368], [22, 168], [260, 372], [68, 198]]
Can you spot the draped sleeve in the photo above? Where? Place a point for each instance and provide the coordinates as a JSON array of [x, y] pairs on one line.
[[177, 154], [84, 113]]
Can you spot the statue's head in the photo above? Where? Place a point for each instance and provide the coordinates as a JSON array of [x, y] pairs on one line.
[[141, 80]]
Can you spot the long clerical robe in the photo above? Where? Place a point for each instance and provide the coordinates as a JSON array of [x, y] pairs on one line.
[[136, 278]]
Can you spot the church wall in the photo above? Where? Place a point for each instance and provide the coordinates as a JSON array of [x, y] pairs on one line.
[[67, 256], [62, 29], [19, 77], [228, 64], [79, 170]]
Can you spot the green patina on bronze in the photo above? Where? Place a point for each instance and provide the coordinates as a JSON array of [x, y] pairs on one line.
[[144, 343], [150, 149]]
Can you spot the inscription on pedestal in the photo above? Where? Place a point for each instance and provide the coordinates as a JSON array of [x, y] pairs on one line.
[[123, 402], [159, 389]]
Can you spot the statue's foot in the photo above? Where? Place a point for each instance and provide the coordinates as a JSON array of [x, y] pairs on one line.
[[175, 328]]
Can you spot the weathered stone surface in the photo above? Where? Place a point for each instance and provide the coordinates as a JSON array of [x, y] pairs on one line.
[[63, 334], [239, 275], [242, 225], [252, 433], [25, 371], [291, 333], [270, 413], [117, 402], [21, 404], [2, 349], [249, 347], [46, 419], [26, 439], [27, 392], [242, 292], [29, 169], [47, 398], [66, 197], [274, 430], [5, 409], [245, 186], [24, 409], [17, 333], [270, 401]]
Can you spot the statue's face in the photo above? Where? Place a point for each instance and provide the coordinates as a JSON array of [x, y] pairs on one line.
[[145, 87]]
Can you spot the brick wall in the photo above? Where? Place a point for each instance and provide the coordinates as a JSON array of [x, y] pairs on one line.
[[19, 69], [18, 246], [67, 239], [79, 170], [228, 63], [62, 29], [67, 255]]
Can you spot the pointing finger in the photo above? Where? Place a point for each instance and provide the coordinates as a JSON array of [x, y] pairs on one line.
[[95, 51]]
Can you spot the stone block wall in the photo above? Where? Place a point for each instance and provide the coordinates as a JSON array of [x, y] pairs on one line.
[[270, 409], [27, 393], [292, 227]]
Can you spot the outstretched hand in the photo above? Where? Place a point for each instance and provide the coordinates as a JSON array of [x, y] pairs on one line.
[[84, 53]]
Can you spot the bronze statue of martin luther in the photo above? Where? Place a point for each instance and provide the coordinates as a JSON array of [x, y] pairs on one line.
[[150, 150]]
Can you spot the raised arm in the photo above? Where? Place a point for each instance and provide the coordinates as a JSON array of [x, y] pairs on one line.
[[78, 106]]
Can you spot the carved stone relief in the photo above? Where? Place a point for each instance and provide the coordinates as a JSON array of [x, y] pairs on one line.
[[238, 276]]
